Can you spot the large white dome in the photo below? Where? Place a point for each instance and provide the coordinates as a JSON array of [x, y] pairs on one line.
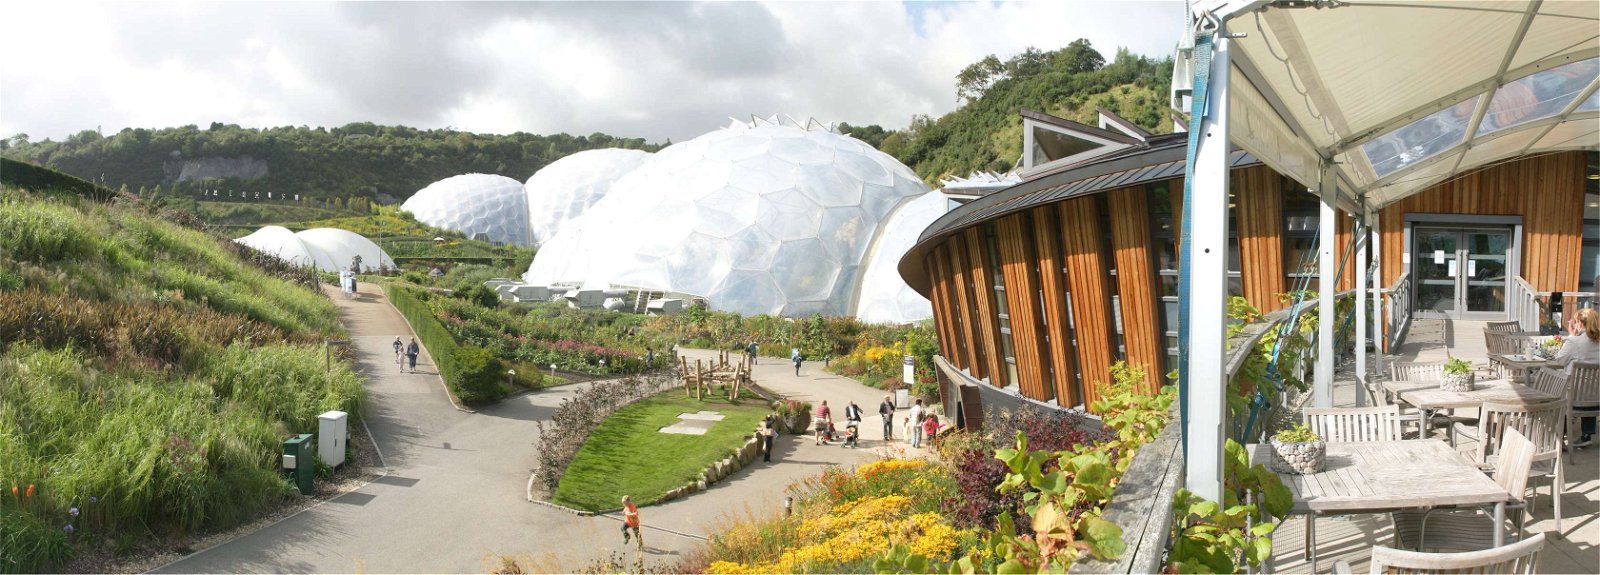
[[477, 205], [329, 249], [885, 297], [280, 242], [757, 218], [563, 190]]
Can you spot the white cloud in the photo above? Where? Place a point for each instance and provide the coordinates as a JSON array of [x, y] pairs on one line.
[[653, 70]]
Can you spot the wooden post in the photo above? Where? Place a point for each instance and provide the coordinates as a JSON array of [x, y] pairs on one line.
[[699, 381]]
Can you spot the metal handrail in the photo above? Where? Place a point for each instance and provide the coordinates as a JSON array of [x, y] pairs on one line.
[[1397, 309]]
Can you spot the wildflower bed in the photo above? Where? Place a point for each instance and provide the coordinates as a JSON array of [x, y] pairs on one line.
[[844, 520]]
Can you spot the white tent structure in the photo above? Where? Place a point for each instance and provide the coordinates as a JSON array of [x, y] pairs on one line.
[[1366, 102], [329, 249]]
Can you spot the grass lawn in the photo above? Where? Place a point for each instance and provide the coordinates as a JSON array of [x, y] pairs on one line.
[[626, 455]]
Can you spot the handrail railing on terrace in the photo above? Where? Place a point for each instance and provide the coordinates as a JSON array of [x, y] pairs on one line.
[[1397, 310], [1530, 307]]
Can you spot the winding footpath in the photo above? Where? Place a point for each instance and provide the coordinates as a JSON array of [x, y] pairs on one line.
[[454, 495]]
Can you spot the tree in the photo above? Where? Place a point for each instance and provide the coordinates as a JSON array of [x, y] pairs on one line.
[[1080, 57], [977, 77]]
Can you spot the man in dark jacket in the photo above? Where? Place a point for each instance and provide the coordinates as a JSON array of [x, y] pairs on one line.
[[886, 409]]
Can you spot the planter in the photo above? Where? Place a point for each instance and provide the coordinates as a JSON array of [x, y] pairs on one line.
[[797, 424], [1299, 457], [1458, 381]]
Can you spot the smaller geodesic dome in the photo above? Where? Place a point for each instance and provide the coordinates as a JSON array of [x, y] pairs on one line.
[[885, 297], [278, 241], [329, 249], [477, 205], [563, 190]]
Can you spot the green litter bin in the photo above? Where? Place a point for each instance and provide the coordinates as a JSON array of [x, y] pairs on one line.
[[299, 456]]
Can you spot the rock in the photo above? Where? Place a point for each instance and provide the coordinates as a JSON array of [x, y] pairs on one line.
[[700, 485]]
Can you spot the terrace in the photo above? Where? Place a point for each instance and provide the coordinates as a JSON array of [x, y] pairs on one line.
[[1368, 104]]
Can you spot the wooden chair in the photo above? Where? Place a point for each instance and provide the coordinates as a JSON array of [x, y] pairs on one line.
[[1583, 398], [1354, 424], [1551, 381], [1471, 529], [1503, 326], [1540, 423], [1501, 343], [1418, 371], [1521, 558]]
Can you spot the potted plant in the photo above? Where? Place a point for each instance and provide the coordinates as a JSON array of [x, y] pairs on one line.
[[1549, 347], [1458, 375], [1299, 451], [795, 415]]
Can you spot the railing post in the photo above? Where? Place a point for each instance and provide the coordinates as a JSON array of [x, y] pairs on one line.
[[1327, 259], [1380, 343]]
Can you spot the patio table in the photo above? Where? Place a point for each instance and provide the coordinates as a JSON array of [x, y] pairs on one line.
[[1523, 365], [1385, 476], [1426, 396]]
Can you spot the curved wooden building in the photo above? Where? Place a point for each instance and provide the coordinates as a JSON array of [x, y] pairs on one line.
[[1038, 288]]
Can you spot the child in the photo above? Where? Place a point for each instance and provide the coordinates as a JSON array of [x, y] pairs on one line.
[[851, 433], [930, 427], [630, 520]]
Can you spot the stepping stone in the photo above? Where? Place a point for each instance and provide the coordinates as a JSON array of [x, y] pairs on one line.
[[701, 416], [688, 427]]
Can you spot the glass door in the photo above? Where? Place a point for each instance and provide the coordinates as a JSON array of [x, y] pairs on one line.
[[1483, 254], [1434, 271], [1461, 273]]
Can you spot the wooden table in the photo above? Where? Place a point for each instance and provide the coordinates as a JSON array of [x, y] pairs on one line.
[[1384, 476], [1523, 365], [1426, 396]]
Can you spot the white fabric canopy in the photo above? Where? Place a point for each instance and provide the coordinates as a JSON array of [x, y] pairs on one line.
[[1401, 95]]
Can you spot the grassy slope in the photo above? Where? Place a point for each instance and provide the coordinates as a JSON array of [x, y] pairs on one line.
[[149, 366], [626, 455]]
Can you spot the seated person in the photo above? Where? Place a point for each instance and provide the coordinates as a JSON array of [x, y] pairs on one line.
[[1582, 346], [851, 433]]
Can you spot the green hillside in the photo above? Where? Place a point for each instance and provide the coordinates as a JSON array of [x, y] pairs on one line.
[[355, 160], [148, 375], [985, 133]]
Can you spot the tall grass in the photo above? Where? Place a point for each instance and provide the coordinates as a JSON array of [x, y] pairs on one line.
[[148, 374]]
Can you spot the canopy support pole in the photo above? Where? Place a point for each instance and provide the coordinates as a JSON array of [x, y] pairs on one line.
[[1207, 322], [1380, 339], [1362, 274], [1327, 259]]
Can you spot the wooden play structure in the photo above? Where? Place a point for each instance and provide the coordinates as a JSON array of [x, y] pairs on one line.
[[732, 376]]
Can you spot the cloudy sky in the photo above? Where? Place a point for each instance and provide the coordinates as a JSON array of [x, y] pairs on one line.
[[652, 70]]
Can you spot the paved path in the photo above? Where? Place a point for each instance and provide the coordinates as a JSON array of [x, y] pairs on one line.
[[454, 497]]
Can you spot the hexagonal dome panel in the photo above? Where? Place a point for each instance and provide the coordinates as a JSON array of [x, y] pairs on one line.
[[768, 217], [885, 297], [563, 190], [477, 205]]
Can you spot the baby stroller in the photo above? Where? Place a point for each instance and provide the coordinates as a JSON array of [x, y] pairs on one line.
[[851, 433]]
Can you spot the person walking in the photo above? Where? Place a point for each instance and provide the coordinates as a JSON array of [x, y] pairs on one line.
[[649, 357], [630, 520], [399, 354], [753, 350], [821, 417], [916, 430], [930, 427], [411, 353], [794, 355], [886, 409], [767, 435]]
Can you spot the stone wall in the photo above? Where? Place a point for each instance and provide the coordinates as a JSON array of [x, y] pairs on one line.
[[744, 455]]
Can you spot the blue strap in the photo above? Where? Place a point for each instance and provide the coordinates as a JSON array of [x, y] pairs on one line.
[[1197, 111]]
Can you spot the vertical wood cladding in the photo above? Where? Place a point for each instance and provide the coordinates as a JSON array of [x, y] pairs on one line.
[[1053, 284], [983, 292], [951, 345], [966, 307], [1258, 193], [1547, 191], [1136, 282], [1082, 237], [1017, 261], [1345, 254]]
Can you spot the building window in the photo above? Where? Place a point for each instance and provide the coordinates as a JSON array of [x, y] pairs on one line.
[[1302, 211], [1002, 307]]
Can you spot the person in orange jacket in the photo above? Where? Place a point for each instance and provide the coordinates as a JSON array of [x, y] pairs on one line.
[[630, 519]]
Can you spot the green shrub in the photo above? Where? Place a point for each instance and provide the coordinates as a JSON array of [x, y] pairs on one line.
[[477, 376], [43, 233]]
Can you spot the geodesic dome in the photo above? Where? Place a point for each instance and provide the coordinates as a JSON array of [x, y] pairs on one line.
[[477, 205], [329, 249], [767, 217], [563, 190], [885, 297], [280, 242]]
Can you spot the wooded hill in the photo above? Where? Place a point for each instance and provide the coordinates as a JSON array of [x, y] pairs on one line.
[[364, 159], [355, 160]]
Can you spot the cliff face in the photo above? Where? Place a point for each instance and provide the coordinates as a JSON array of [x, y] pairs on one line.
[[242, 167]]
